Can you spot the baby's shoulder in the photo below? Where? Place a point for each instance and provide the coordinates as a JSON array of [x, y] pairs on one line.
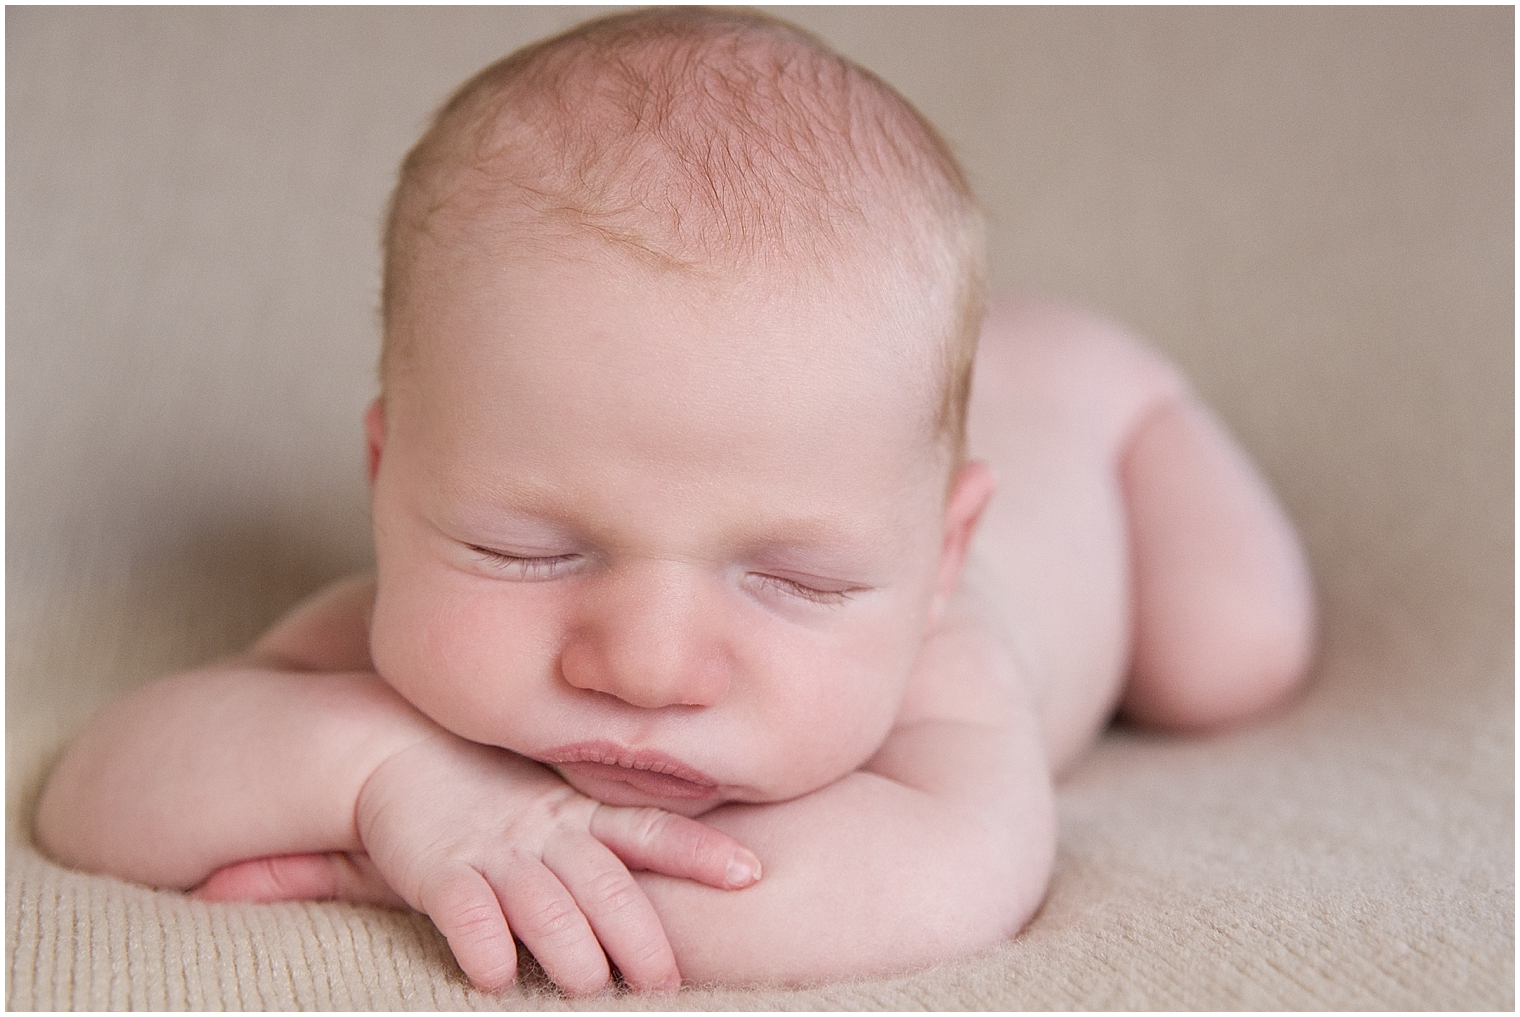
[[965, 673], [328, 631]]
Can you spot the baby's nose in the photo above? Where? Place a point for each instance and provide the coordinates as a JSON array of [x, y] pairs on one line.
[[650, 644]]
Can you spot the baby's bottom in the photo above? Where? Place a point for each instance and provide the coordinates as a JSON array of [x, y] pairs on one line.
[[1132, 557]]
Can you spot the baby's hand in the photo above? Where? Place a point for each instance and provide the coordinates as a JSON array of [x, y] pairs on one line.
[[489, 844]]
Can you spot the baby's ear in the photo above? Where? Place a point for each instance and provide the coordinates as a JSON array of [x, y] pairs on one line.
[[374, 432], [970, 492]]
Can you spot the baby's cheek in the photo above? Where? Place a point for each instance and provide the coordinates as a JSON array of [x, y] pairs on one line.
[[401, 647], [452, 657], [840, 712]]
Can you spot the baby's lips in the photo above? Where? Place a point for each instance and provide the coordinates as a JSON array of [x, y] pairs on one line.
[[743, 870]]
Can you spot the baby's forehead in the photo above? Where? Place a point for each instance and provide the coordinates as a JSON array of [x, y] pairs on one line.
[[740, 355], [763, 323]]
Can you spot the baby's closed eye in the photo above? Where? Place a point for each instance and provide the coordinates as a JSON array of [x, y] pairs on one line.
[[526, 567], [536, 568], [793, 588]]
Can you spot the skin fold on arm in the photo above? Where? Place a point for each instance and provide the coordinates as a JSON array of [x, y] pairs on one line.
[[940, 844]]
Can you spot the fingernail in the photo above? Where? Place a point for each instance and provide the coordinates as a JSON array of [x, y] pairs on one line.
[[743, 870]]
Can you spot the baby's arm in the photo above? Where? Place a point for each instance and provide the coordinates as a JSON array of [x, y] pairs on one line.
[[941, 845], [251, 759]]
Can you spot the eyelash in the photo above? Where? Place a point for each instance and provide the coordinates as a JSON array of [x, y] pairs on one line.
[[828, 598], [525, 568], [531, 569]]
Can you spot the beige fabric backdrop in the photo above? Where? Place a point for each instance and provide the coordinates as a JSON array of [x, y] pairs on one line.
[[1312, 210]]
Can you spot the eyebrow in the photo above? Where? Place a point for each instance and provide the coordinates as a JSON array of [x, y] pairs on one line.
[[822, 542]]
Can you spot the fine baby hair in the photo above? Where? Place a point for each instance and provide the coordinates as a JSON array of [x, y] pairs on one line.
[[694, 139]]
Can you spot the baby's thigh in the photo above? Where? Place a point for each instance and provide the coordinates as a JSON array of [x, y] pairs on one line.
[[1056, 394]]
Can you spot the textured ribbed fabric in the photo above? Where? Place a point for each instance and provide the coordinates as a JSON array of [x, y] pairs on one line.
[[1310, 210], [96, 944], [1339, 857], [1199, 876]]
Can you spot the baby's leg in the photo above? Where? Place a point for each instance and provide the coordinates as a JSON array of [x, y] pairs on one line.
[[1128, 537], [1224, 610]]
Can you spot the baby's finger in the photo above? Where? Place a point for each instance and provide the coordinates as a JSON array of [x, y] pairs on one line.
[[334, 875], [664, 842], [465, 909], [618, 911], [549, 922]]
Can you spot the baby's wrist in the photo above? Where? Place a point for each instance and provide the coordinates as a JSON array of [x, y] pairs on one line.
[[364, 724]]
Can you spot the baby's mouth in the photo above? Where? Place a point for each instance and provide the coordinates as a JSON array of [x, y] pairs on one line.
[[604, 766]]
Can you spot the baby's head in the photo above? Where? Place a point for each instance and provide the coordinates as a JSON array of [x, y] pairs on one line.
[[680, 310], [705, 142]]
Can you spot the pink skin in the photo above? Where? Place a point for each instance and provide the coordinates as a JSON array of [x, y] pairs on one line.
[[678, 540], [691, 523], [689, 543], [617, 773], [665, 522], [1122, 495]]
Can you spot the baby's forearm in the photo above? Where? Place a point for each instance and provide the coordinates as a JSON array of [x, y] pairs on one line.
[[864, 877], [210, 767], [942, 844]]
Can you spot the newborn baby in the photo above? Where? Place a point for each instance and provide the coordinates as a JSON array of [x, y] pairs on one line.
[[698, 553]]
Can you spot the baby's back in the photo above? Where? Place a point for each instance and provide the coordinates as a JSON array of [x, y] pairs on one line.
[[1112, 545]]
